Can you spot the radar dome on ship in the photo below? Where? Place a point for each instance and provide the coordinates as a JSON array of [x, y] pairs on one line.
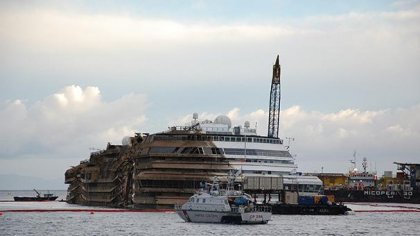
[[224, 120], [126, 141]]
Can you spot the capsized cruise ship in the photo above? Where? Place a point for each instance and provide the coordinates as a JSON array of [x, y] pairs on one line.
[[164, 169]]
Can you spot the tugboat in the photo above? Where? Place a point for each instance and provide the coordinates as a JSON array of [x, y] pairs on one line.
[[215, 205], [45, 197]]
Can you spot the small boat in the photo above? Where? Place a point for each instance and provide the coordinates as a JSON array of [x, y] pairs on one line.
[[218, 205], [38, 197]]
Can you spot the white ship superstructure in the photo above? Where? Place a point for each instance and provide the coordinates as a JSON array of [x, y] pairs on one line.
[[247, 151], [251, 154]]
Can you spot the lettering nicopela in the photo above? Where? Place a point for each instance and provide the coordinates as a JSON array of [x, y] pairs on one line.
[[388, 193]]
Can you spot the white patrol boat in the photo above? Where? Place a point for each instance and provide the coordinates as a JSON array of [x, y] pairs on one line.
[[214, 205]]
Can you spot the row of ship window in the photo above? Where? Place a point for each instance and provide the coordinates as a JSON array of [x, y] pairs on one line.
[[308, 188], [169, 183], [203, 200], [218, 138], [214, 150], [270, 161]]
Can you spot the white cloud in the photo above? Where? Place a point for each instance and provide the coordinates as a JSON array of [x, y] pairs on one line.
[[328, 139], [356, 57], [68, 120], [52, 29], [45, 138]]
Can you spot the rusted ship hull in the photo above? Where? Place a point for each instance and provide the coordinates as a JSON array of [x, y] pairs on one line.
[[135, 176]]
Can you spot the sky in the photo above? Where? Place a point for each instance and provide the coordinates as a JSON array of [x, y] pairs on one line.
[[75, 75]]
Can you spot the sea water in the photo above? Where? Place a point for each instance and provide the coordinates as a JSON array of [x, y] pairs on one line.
[[369, 219]]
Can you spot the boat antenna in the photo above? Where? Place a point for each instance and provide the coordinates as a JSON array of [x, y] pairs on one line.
[[364, 164], [195, 117], [354, 160], [37, 193]]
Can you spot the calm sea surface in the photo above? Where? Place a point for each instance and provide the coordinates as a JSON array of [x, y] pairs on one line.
[[145, 223]]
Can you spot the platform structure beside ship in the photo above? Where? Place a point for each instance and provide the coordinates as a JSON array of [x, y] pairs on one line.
[[403, 187], [287, 199]]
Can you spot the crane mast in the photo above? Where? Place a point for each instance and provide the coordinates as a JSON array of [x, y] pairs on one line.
[[274, 107]]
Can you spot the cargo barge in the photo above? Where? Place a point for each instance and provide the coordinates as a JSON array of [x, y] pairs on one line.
[[290, 209], [290, 203], [348, 195], [367, 187]]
